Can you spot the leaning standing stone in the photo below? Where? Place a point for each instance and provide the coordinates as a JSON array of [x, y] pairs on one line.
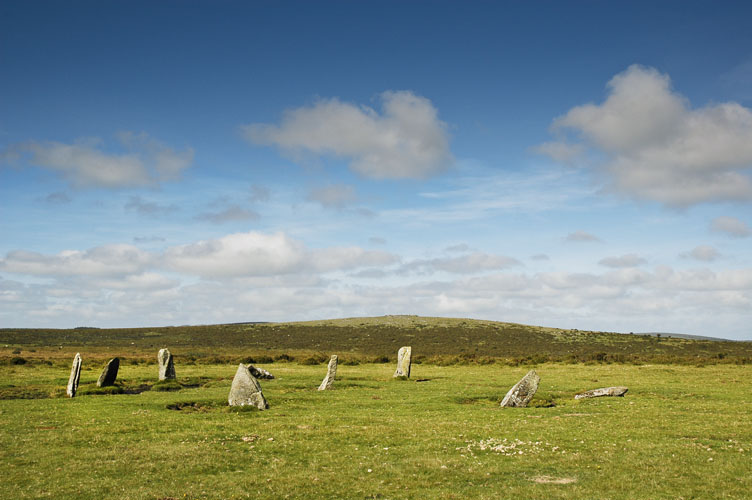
[[109, 374], [245, 390], [75, 376], [166, 366], [606, 391], [331, 373], [260, 373], [522, 392], [404, 362]]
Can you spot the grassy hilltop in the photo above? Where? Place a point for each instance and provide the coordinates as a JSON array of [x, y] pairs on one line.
[[437, 340]]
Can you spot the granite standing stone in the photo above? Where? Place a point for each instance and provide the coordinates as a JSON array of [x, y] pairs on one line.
[[522, 392], [75, 376], [260, 373], [109, 374], [331, 373], [166, 365], [404, 362], [245, 390], [606, 391]]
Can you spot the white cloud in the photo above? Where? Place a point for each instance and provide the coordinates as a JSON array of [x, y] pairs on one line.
[[628, 260], [259, 254], [658, 148], [334, 196], [108, 260], [704, 253], [731, 226], [581, 236], [85, 163], [407, 140]]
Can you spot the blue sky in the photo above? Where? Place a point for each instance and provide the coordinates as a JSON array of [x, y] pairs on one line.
[[579, 165]]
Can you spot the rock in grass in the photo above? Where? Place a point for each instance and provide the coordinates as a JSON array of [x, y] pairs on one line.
[[522, 392], [75, 376], [166, 365], [109, 374], [331, 373], [260, 373], [404, 362], [245, 390], [605, 391]]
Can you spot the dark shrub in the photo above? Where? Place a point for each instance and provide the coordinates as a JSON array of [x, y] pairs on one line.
[[17, 360]]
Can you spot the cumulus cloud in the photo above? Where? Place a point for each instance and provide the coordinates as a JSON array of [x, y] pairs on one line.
[[334, 196], [233, 213], [731, 226], [260, 254], [628, 260], [406, 141], [108, 260], [657, 147], [86, 163], [704, 253], [581, 236]]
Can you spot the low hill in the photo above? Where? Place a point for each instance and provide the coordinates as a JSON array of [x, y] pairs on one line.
[[358, 338]]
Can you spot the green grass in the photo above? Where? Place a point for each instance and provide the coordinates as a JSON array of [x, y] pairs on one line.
[[680, 432]]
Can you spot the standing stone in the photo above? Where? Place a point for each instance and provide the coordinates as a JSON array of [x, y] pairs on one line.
[[109, 374], [166, 366], [245, 390], [403, 362], [522, 392], [260, 373], [331, 373], [75, 376], [606, 391]]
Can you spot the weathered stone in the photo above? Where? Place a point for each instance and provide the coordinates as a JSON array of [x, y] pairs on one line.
[[331, 373], [260, 373], [245, 390], [75, 376], [404, 362], [605, 391], [166, 365], [109, 374], [522, 392]]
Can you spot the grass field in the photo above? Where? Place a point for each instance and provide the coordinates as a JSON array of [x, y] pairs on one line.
[[680, 432]]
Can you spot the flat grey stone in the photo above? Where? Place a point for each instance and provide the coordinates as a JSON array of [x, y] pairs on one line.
[[245, 390], [260, 373], [331, 373], [522, 392], [166, 365], [618, 391], [109, 374], [75, 376], [404, 362]]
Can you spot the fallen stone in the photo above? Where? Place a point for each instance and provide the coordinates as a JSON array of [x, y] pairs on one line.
[[245, 390], [75, 376], [109, 374], [166, 365], [522, 392], [605, 391], [331, 373], [260, 373], [404, 362]]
